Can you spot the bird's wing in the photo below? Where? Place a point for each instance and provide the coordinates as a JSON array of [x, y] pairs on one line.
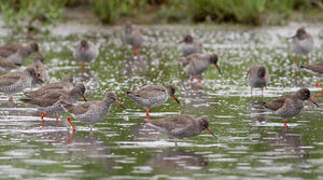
[[276, 104], [9, 79], [149, 91], [315, 68], [79, 109]]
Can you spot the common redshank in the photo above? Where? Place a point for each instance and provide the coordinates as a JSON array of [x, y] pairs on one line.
[[180, 126], [14, 82], [134, 37], [16, 53], [315, 70], [195, 64], [258, 77], [52, 101], [93, 111], [39, 65], [290, 105], [66, 84], [302, 44], [85, 52], [150, 96], [190, 46]]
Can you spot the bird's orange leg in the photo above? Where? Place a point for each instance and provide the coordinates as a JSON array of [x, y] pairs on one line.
[[317, 84], [136, 50], [57, 116], [197, 78], [295, 65], [308, 60], [69, 118], [285, 124], [147, 112], [42, 115]]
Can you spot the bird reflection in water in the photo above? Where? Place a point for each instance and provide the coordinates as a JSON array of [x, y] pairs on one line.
[[256, 112], [291, 142], [177, 159]]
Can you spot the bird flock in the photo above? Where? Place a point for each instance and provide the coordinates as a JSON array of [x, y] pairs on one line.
[[57, 97]]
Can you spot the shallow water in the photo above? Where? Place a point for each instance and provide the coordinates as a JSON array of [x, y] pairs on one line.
[[252, 143]]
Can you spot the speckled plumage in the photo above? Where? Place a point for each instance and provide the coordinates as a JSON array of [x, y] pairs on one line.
[[289, 105], [51, 101], [16, 53], [85, 52], [91, 112], [180, 126], [14, 82], [196, 64], [314, 69], [66, 84], [40, 67], [152, 96]]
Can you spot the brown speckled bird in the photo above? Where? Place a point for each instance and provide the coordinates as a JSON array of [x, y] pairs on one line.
[[66, 84], [93, 111], [51, 102], [180, 126], [14, 82], [258, 77], [302, 44], [151, 96], [315, 70], [16, 53], [289, 105], [195, 64]]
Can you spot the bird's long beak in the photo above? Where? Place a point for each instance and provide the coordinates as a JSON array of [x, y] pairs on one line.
[[40, 81], [116, 101], [83, 49], [208, 130], [312, 101], [176, 99], [84, 98], [218, 68]]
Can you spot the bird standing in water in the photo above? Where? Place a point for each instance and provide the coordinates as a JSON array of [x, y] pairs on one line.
[[195, 64], [134, 37], [151, 96], [86, 52], [290, 105], [258, 77], [302, 44], [180, 126]]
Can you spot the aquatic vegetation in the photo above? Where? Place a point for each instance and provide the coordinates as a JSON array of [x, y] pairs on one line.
[[30, 15]]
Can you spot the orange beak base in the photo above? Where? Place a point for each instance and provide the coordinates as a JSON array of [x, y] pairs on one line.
[[312, 101], [117, 102], [84, 98], [176, 99]]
